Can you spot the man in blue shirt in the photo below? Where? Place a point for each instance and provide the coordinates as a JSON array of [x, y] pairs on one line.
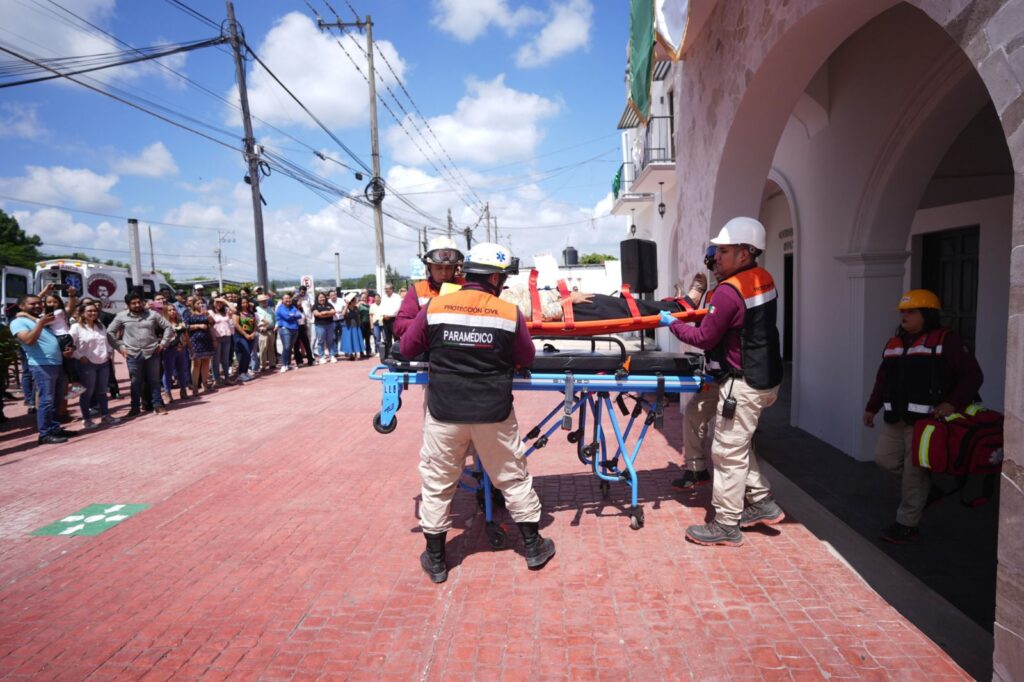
[[287, 316], [44, 363]]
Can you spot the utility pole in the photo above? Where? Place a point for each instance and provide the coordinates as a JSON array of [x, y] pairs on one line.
[[136, 254], [337, 270], [424, 243], [487, 218], [375, 190], [450, 223], [251, 159], [469, 239], [222, 238], [152, 256]]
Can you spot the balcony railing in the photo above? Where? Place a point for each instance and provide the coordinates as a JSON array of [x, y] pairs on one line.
[[659, 147]]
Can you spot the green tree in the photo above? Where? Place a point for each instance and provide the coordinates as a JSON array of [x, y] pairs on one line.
[[16, 247], [595, 258]]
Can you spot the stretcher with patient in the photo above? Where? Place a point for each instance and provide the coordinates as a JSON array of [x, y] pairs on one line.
[[606, 402]]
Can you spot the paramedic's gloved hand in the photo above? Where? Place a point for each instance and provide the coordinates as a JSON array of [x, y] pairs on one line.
[[666, 319], [943, 410]]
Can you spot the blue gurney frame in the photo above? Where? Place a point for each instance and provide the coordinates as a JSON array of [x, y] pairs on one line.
[[590, 395]]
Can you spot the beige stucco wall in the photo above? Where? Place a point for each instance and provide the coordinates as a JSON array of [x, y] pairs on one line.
[[745, 72]]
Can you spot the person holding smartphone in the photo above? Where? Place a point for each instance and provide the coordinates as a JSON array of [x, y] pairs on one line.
[[45, 359]]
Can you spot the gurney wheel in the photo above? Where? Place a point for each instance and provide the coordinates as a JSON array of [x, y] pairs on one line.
[[496, 536], [605, 488], [573, 436], [636, 519], [380, 428]]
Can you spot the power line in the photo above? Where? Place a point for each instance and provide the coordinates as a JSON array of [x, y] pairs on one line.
[[148, 54], [320, 123], [185, 78], [120, 99]]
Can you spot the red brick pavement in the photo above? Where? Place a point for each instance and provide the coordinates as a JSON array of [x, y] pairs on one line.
[[283, 544]]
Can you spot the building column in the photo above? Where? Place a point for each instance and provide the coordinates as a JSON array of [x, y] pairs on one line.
[[1009, 625], [874, 283]]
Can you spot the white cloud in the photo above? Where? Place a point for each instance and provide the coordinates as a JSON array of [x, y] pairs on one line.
[[568, 30], [319, 74], [20, 121], [59, 185], [63, 233], [155, 161], [492, 123], [467, 20]]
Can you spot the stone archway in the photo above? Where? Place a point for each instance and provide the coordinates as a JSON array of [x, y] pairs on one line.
[[745, 72]]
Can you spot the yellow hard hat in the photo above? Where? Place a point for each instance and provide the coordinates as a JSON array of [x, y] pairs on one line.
[[919, 298]]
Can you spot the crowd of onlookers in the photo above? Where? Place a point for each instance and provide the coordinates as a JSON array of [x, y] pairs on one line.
[[179, 344]]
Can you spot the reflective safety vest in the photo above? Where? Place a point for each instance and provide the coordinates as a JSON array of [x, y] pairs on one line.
[[471, 337], [913, 376], [425, 292], [760, 350]]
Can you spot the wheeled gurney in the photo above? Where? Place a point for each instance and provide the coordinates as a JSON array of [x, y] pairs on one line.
[[592, 385]]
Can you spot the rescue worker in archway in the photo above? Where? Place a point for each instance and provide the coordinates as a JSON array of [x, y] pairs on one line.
[[926, 371], [700, 410], [442, 259], [738, 333], [475, 340]]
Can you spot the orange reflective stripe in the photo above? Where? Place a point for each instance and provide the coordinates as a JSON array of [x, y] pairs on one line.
[[755, 286]]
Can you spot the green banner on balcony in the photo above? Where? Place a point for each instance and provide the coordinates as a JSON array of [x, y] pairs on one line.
[[641, 56]]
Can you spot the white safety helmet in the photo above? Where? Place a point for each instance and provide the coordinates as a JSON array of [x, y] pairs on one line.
[[741, 231], [488, 258], [442, 251]]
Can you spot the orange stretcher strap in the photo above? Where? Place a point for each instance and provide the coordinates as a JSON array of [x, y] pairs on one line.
[[630, 303], [612, 326], [538, 314], [568, 319]]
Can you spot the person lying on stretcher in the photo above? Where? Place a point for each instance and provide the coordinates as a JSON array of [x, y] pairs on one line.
[[588, 306]]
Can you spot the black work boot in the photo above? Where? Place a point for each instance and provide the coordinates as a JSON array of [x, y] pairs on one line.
[[692, 479], [432, 560], [539, 550], [715, 533], [764, 511]]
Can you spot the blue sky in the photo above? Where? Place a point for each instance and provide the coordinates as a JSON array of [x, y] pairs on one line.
[[521, 99]]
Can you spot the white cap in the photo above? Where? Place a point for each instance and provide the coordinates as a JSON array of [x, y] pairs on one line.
[[741, 231], [198, 286]]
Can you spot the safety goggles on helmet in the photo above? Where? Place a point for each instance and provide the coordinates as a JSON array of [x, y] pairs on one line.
[[709, 257], [443, 257]]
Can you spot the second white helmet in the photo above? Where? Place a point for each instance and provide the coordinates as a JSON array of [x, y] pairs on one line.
[[742, 231], [442, 251]]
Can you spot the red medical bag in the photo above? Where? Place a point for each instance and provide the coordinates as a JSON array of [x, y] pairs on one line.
[[962, 443]]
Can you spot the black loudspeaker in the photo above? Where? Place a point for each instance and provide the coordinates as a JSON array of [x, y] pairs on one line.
[[639, 259]]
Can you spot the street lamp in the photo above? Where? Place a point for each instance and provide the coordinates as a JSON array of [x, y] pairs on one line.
[[661, 204], [632, 222]]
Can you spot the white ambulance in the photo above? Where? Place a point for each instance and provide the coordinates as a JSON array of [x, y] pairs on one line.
[[108, 283]]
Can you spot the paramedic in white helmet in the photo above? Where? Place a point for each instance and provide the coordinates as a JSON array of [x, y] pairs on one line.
[[476, 340], [741, 341], [442, 259]]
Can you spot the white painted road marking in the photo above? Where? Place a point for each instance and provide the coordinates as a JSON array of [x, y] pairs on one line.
[[72, 518], [72, 529], [116, 507]]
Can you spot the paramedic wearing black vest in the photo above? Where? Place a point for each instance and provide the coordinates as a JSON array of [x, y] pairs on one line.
[[475, 340], [926, 371], [739, 334]]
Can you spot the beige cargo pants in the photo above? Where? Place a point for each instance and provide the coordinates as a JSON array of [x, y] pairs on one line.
[[737, 476], [699, 413], [502, 454], [894, 454]]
